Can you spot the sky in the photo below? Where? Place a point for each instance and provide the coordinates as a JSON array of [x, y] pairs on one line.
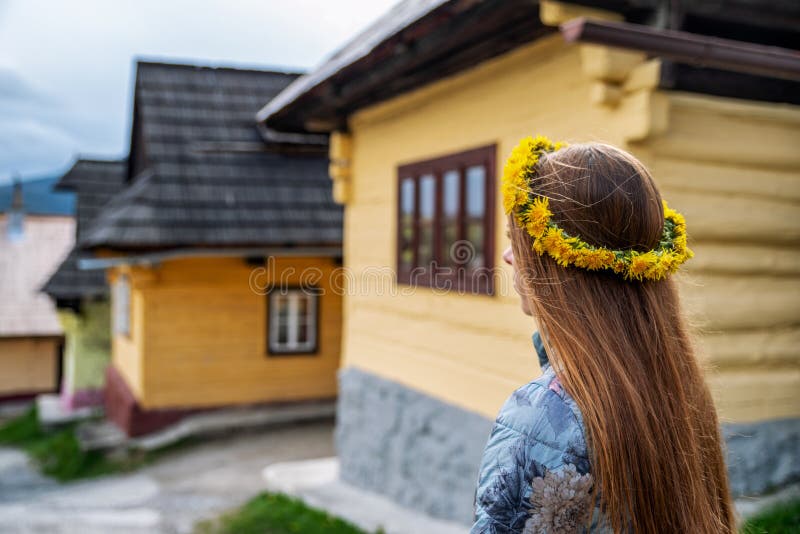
[[66, 66]]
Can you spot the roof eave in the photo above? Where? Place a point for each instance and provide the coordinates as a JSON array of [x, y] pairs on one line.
[[132, 257], [315, 81], [688, 48], [440, 39]]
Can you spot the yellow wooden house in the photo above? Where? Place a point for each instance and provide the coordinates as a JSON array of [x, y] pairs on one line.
[[220, 253], [34, 238], [423, 108]]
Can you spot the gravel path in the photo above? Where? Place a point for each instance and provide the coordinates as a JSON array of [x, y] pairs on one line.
[[169, 496]]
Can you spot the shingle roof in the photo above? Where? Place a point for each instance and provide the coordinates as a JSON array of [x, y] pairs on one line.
[[421, 41], [25, 264], [94, 183], [71, 283], [205, 177]]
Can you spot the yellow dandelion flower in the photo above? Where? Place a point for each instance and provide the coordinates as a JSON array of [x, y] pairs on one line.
[[513, 195], [679, 244], [551, 239], [553, 243], [594, 259], [540, 209], [581, 258], [515, 185], [519, 166], [536, 227], [561, 248], [673, 215], [670, 261], [657, 271], [538, 216], [640, 263]]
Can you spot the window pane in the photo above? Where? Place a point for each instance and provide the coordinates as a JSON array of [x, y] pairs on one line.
[[302, 316], [451, 204], [122, 303], [302, 306], [427, 205], [283, 335], [282, 317], [476, 191], [406, 259], [292, 322], [476, 209]]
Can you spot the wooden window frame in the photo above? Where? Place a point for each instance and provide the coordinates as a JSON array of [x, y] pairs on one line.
[[463, 280], [315, 300]]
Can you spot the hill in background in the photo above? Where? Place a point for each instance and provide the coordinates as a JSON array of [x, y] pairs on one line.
[[39, 198]]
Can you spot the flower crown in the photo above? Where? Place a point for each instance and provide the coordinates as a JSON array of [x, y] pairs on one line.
[[531, 211]]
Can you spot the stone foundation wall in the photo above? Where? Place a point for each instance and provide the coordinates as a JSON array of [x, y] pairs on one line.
[[762, 456], [425, 453], [417, 450]]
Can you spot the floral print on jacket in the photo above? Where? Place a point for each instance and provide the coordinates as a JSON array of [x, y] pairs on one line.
[[535, 475]]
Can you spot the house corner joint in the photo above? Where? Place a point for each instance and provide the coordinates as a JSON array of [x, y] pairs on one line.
[[340, 154]]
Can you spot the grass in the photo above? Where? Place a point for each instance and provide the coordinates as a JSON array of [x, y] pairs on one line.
[[58, 453], [273, 513], [783, 518]]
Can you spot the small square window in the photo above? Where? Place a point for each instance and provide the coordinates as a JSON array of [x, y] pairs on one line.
[[292, 318]]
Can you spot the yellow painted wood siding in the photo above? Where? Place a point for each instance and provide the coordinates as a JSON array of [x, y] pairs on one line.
[[204, 340], [28, 365], [127, 351], [473, 351], [733, 167]]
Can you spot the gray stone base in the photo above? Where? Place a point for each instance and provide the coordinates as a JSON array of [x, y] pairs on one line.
[[424, 453], [419, 451], [762, 456]]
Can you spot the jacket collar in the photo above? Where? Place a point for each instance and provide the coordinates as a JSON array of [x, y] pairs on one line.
[[540, 352]]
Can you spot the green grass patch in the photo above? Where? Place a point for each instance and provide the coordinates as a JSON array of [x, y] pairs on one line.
[[783, 518], [58, 453], [21, 429], [273, 513]]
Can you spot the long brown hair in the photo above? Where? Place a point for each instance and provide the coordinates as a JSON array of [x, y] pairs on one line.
[[623, 352]]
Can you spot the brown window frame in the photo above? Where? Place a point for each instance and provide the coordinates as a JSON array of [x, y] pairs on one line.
[[441, 273]]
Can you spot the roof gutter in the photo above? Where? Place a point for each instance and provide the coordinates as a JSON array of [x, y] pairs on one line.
[[690, 48], [155, 258], [275, 137]]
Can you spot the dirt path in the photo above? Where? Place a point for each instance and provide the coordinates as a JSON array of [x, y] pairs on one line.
[[169, 496]]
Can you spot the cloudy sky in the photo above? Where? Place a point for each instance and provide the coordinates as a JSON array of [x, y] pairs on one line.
[[66, 66]]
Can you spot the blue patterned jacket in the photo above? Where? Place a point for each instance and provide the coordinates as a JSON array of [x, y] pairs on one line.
[[535, 474]]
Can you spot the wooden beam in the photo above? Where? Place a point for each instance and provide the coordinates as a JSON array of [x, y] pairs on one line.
[[685, 47]]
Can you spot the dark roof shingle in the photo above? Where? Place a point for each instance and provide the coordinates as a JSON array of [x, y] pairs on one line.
[[205, 177], [419, 42], [94, 182]]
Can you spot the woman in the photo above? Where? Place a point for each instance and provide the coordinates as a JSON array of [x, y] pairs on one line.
[[619, 433]]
